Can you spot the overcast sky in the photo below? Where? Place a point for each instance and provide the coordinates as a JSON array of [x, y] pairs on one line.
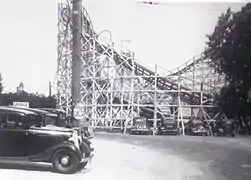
[[167, 34]]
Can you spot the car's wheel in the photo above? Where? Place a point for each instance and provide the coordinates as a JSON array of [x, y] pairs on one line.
[[65, 161]]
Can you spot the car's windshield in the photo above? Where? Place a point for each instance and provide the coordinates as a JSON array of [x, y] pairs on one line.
[[2, 118], [169, 123], [197, 122], [139, 121], [62, 116]]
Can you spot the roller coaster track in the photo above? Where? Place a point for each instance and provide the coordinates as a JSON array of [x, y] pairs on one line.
[[187, 94], [188, 65], [163, 83]]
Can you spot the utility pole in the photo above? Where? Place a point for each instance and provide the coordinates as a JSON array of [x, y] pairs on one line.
[[76, 52], [50, 93]]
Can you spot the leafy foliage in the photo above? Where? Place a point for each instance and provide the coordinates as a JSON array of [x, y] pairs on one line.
[[35, 100], [1, 84], [229, 48]]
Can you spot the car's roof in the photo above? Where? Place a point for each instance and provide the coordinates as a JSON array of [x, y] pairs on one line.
[[139, 119], [37, 111], [16, 110], [53, 110]]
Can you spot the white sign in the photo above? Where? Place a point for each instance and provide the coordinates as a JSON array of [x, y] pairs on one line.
[[78, 112], [21, 104]]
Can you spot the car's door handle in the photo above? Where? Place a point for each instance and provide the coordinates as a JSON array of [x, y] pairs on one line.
[[28, 132]]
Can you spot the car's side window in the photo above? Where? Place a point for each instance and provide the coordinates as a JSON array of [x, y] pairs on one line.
[[61, 116], [2, 120], [50, 120], [14, 120]]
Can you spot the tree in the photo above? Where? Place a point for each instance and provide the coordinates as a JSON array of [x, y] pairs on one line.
[[229, 48], [35, 101], [1, 83]]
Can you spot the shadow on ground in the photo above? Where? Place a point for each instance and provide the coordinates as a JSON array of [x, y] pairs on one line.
[[39, 167]]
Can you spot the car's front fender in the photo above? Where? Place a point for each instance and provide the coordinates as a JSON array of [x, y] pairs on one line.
[[68, 145], [48, 154]]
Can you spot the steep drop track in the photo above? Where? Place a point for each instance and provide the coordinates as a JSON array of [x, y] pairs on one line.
[[163, 83]]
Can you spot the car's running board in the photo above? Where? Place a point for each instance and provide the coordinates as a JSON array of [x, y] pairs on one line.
[[19, 160], [14, 159]]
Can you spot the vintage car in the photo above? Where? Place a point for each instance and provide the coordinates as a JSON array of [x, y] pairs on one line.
[[47, 117], [167, 127], [23, 139], [224, 127], [139, 126], [196, 127], [51, 118]]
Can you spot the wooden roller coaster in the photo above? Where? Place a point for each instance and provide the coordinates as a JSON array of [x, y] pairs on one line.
[[115, 87]]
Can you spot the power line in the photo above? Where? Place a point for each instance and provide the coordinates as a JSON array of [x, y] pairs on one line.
[[161, 3]]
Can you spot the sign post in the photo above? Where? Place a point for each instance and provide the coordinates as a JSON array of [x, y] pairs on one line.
[[78, 111]]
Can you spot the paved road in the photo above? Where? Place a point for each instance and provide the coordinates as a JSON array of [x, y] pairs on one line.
[[153, 158]]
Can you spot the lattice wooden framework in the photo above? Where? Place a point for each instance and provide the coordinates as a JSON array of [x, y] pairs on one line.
[[115, 87]]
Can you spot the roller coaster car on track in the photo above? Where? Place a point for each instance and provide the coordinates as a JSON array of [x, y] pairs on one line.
[[139, 126], [23, 139]]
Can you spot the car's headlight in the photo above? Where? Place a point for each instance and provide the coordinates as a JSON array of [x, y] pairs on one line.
[[75, 138], [76, 130]]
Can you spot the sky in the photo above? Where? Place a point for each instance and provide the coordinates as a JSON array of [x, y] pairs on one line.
[[167, 34]]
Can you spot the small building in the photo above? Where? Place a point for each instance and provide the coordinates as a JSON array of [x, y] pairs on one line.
[[20, 88]]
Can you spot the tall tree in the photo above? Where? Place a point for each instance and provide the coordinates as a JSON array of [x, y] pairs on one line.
[[1, 84], [229, 48]]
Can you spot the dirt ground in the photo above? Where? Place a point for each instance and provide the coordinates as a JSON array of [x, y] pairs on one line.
[[150, 158]]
